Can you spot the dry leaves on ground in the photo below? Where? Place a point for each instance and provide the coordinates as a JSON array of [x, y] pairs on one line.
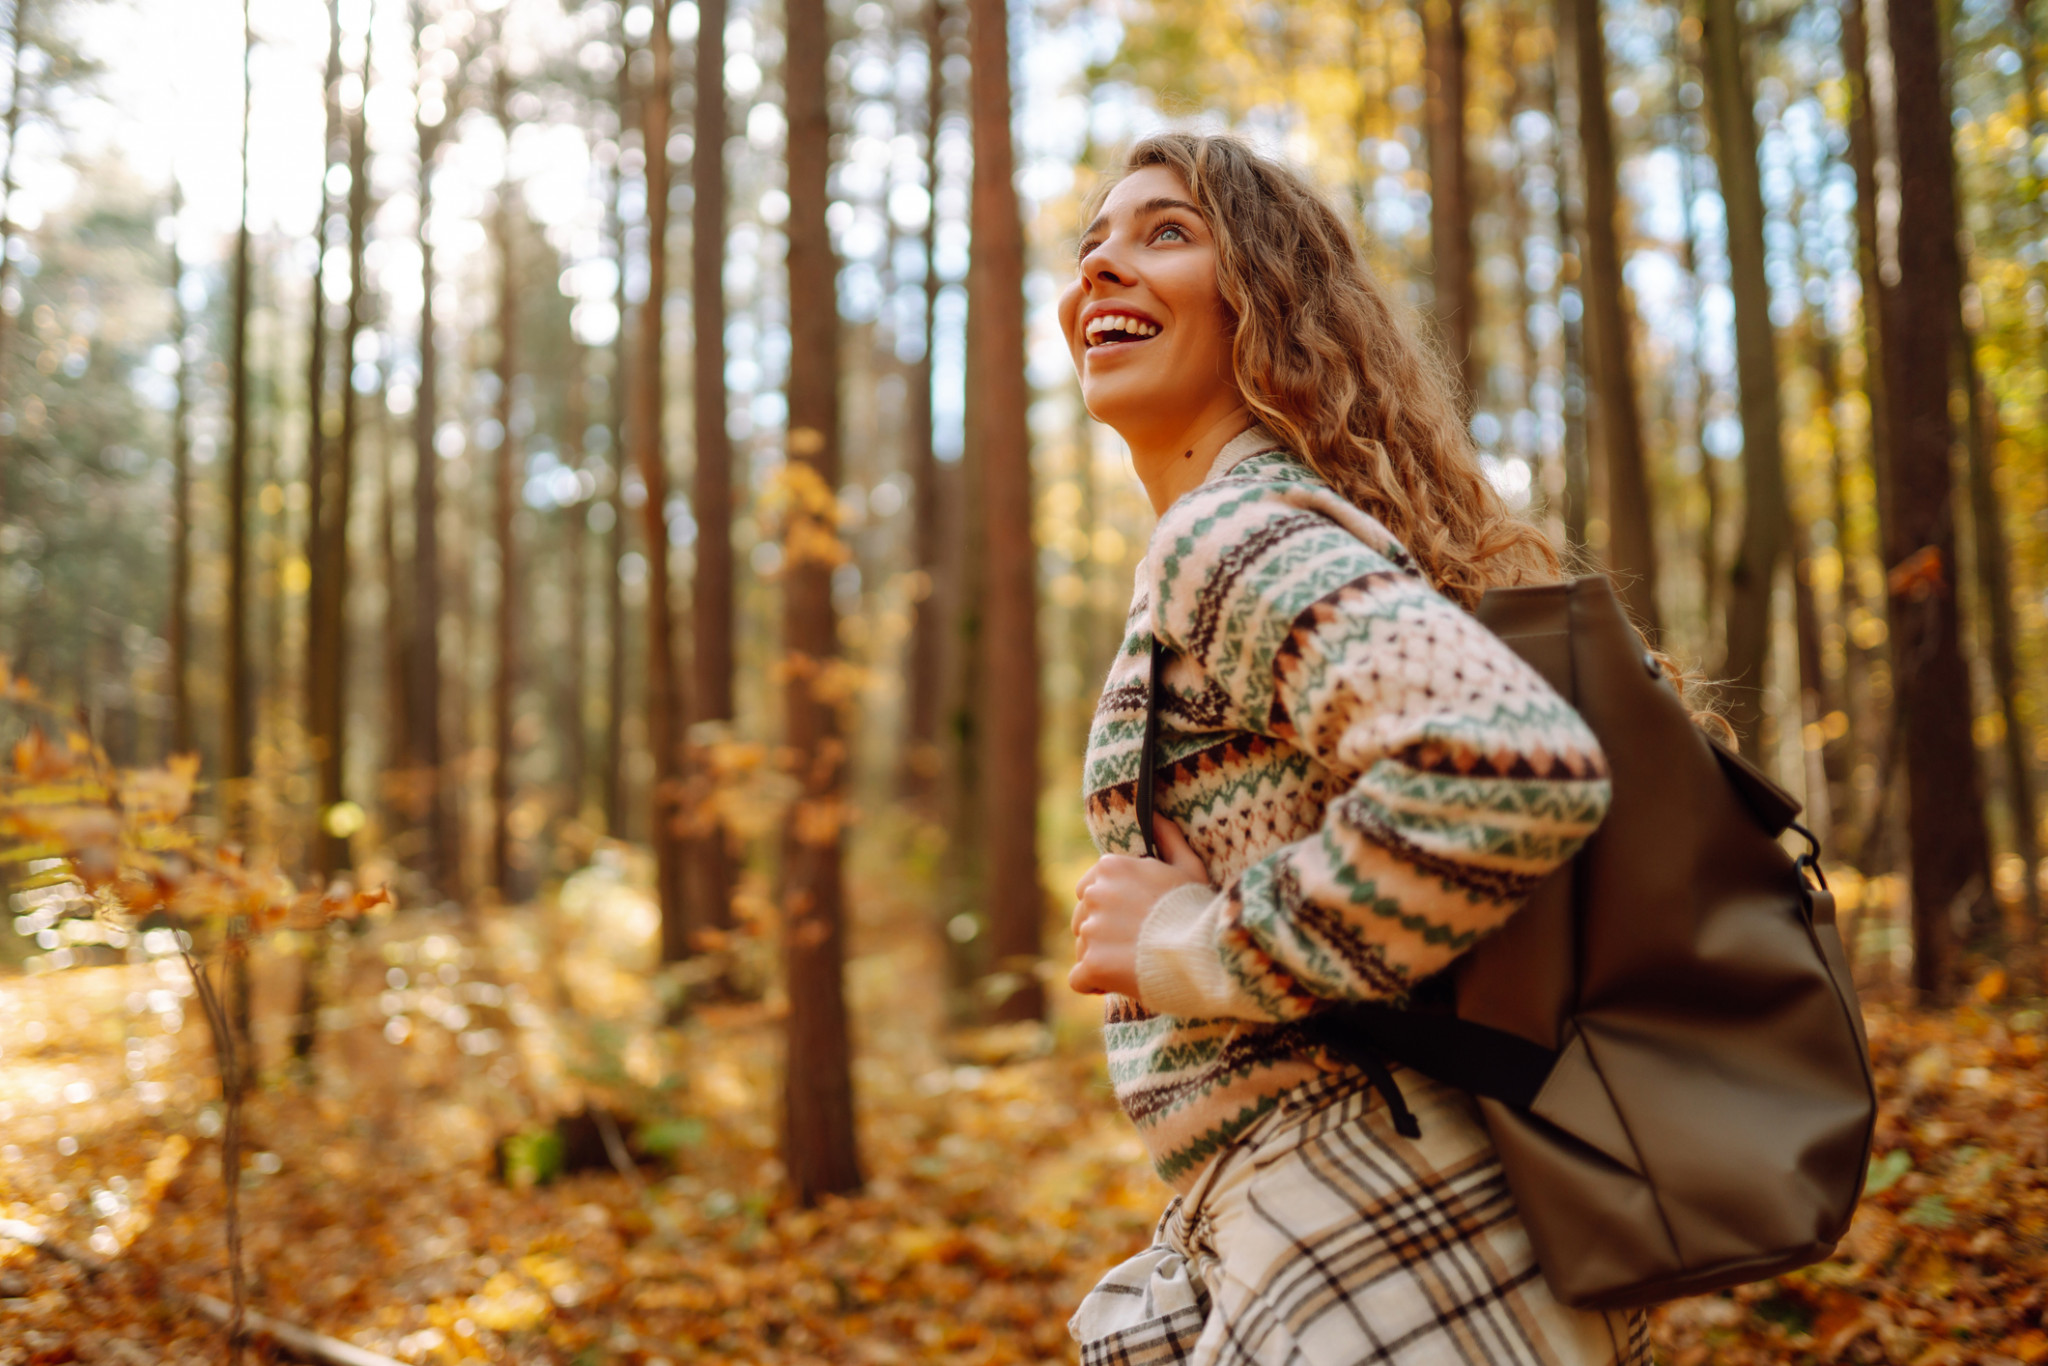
[[999, 1189]]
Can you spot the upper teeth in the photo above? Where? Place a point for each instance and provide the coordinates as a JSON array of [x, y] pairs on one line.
[[1119, 322]]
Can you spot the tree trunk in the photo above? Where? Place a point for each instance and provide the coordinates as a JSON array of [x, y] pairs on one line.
[[1827, 696], [1994, 587], [331, 842], [458, 686], [238, 730], [925, 698], [504, 505], [664, 705], [431, 797], [396, 610], [1865, 726], [1708, 550], [1564, 108], [178, 631], [708, 852], [995, 377], [1874, 728], [621, 395], [1811, 707], [320, 678], [1863, 161], [16, 30], [576, 666], [239, 725], [1631, 551], [1450, 188], [818, 1137], [1753, 576], [1944, 809]]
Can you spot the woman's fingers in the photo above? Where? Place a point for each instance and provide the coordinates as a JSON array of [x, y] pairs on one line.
[[1102, 969], [1174, 845]]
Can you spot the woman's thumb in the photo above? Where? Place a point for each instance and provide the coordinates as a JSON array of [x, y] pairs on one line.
[[1175, 849]]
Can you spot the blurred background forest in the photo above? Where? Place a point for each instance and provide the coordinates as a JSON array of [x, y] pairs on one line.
[[609, 473]]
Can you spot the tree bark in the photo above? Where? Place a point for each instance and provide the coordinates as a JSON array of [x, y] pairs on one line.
[[664, 705], [622, 396], [1812, 705], [1873, 730], [1765, 518], [178, 631], [964, 868], [505, 503], [1450, 188], [320, 678], [1944, 810], [1863, 161], [921, 749], [1827, 695], [1564, 107], [331, 843], [575, 525], [397, 607], [995, 376], [431, 797], [1631, 551], [1708, 550], [238, 730], [1994, 587], [239, 727], [818, 1137], [708, 852], [17, 30]]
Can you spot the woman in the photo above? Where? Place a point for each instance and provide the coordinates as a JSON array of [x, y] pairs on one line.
[[1355, 783]]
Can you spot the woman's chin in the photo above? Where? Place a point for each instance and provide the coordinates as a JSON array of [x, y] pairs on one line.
[[1122, 400]]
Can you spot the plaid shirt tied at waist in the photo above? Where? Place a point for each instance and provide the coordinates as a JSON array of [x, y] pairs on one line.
[[1325, 1238]]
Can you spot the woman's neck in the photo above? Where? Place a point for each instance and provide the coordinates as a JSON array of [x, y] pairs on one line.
[[1169, 464]]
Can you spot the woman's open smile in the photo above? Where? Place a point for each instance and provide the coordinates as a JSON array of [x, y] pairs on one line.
[[1109, 329]]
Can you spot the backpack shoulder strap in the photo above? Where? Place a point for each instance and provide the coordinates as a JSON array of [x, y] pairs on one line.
[[1148, 764], [1459, 1053]]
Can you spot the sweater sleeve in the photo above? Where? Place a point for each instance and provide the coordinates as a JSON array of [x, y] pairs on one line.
[[1459, 778]]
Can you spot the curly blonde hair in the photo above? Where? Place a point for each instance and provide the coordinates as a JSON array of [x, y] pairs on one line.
[[1331, 366]]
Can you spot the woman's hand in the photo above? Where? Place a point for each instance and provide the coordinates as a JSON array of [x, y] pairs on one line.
[[1112, 901]]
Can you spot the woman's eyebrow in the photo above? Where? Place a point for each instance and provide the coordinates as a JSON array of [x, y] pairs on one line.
[[1148, 207]]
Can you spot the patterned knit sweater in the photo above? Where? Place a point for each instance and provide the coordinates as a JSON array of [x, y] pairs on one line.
[[1372, 779]]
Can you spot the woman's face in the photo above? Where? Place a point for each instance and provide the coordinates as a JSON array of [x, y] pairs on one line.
[[1146, 322]]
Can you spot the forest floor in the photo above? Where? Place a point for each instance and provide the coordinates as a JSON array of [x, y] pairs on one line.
[[1002, 1180]]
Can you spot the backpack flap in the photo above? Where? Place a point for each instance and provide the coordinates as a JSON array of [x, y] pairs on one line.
[[1575, 1098]]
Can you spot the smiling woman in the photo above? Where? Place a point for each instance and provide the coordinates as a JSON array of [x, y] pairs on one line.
[[1354, 782]]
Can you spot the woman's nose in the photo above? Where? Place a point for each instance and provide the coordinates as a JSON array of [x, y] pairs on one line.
[[1099, 265], [1097, 268]]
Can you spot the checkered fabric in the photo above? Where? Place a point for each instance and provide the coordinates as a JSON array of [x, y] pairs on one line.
[[1324, 1238]]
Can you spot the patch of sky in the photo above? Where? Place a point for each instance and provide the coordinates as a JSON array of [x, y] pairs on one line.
[[949, 370]]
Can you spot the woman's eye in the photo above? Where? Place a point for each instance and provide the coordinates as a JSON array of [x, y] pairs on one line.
[[1180, 234]]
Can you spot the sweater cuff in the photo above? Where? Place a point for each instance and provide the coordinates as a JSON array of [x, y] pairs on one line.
[[1180, 971]]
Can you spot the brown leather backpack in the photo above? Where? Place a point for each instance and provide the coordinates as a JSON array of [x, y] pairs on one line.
[[1664, 1040]]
